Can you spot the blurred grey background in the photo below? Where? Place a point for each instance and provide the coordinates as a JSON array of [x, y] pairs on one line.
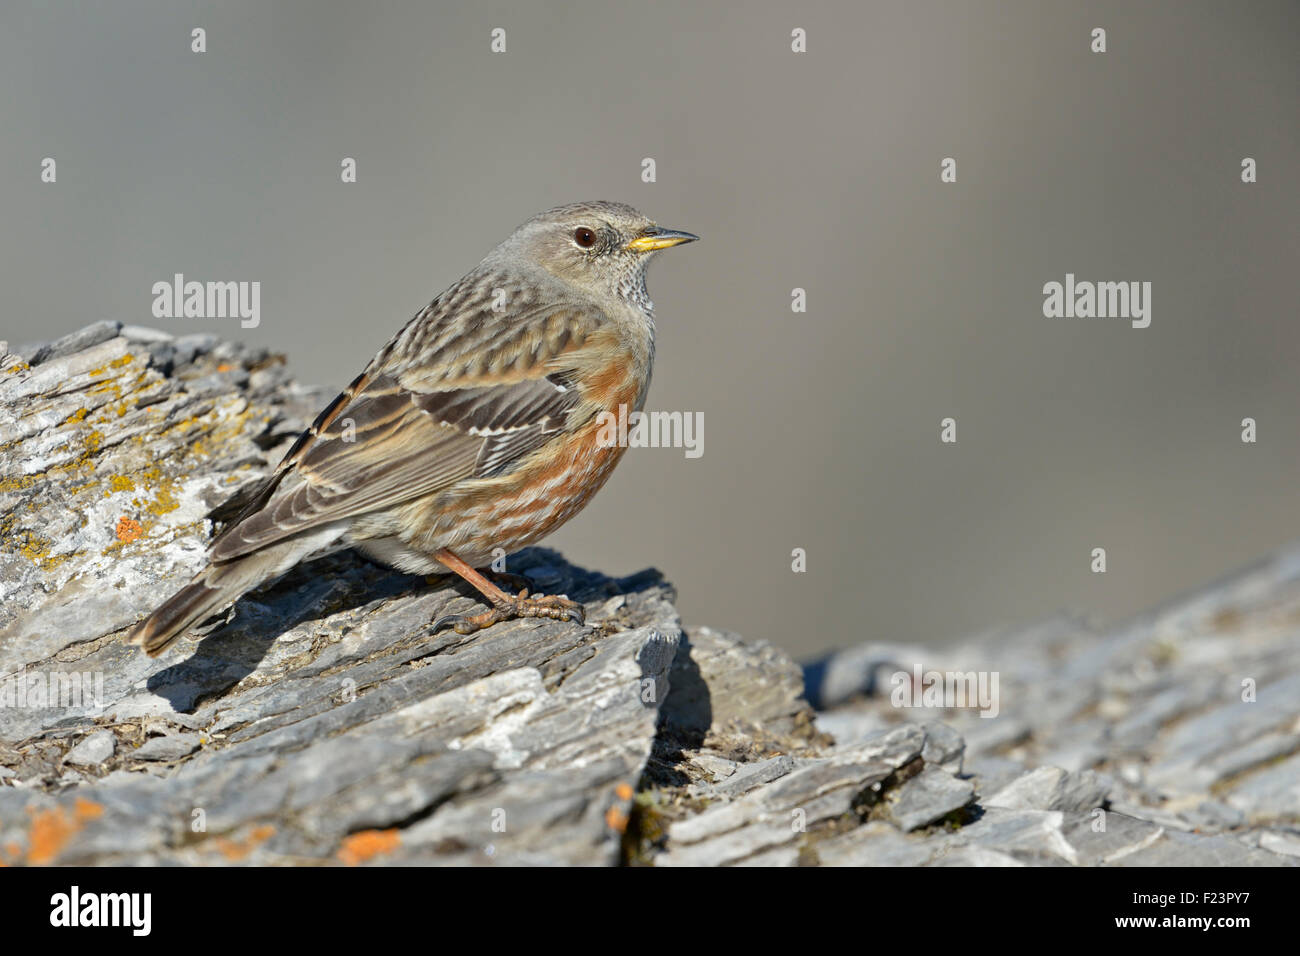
[[817, 170]]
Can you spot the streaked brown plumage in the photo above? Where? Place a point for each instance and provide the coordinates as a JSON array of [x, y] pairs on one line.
[[474, 428]]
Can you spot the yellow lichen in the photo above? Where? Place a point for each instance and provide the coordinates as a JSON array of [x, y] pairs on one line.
[[164, 501], [37, 550], [116, 363], [21, 483]]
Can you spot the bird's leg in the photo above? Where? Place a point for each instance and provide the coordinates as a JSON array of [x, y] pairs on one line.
[[505, 606], [502, 579], [508, 581]]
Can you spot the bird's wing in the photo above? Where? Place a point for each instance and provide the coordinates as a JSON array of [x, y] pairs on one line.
[[403, 430]]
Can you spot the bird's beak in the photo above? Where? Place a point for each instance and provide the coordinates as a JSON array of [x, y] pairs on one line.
[[656, 238]]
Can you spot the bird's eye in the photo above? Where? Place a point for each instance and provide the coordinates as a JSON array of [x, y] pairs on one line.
[[584, 237]]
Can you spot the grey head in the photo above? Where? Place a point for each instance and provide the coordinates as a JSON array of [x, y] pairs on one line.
[[601, 248]]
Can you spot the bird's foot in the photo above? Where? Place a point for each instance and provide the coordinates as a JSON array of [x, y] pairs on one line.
[[557, 607]]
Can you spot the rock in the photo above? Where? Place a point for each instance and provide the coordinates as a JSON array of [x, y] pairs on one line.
[[1283, 843], [975, 856], [851, 727], [719, 767], [875, 843], [1032, 836], [170, 747], [779, 813], [1103, 838], [929, 796], [93, 751], [1179, 849], [862, 670], [322, 722], [1051, 788], [1271, 794], [1187, 716], [77, 341], [944, 747], [1214, 816], [754, 775]]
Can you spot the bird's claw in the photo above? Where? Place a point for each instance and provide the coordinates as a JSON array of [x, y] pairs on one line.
[[447, 619]]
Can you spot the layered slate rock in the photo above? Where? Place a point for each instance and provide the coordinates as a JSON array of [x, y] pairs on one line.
[[323, 721], [1172, 739]]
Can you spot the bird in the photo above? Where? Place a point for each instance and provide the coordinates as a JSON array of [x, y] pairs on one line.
[[477, 427]]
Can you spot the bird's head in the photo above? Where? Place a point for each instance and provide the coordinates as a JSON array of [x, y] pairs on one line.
[[600, 247]]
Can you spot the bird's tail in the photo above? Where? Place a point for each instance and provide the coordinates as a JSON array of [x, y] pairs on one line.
[[212, 589], [191, 604]]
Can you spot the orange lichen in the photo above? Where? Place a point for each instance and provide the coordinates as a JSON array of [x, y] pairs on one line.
[[616, 819], [236, 850], [52, 829], [128, 529], [368, 844]]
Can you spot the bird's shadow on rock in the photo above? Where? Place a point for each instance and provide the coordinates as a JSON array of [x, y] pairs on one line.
[[235, 642]]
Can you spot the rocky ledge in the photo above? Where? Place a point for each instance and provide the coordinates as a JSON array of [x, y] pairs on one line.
[[322, 721]]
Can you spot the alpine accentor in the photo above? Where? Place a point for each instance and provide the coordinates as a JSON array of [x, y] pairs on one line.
[[476, 427]]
